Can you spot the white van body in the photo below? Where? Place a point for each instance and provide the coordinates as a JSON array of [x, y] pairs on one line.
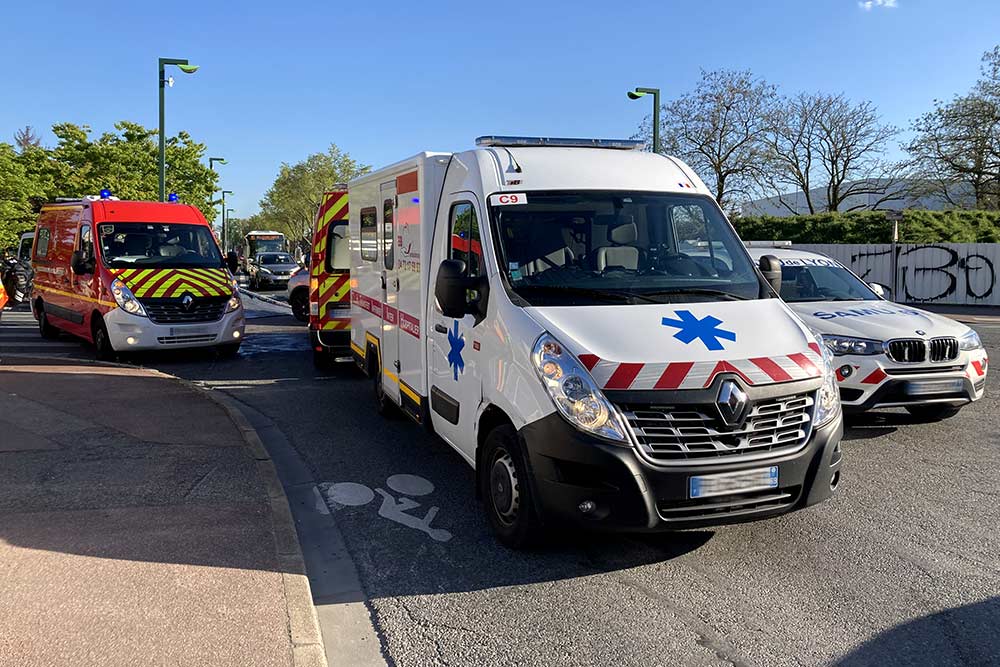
[[477, 377]]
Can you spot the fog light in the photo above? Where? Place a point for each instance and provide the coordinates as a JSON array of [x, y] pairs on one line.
[[236, 334], [845, 371], [131, 340], [587, 506]]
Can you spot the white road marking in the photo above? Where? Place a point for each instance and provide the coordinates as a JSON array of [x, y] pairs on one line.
[[352, 494]]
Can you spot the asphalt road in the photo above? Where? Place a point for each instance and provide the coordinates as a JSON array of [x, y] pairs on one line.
[[900, 568]]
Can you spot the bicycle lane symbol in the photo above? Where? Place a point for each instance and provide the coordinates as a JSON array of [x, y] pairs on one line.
[[353, 494]]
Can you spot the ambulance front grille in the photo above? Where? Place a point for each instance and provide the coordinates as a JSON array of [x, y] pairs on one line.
[[696, 434], [172, 311]]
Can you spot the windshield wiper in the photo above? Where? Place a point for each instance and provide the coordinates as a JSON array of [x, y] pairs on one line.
[[618, 295], [702, 291]]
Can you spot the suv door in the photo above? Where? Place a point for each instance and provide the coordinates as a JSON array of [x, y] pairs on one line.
[[455, 376]]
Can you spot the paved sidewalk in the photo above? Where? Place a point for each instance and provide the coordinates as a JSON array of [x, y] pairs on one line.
[[137, 527]]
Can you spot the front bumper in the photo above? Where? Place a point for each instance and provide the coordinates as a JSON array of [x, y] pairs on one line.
[[874, 381], [148, 335], [272, 280], [569, 467]]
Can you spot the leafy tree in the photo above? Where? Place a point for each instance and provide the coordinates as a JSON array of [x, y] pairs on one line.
[[290, 205], [18, 190], [717, 129]]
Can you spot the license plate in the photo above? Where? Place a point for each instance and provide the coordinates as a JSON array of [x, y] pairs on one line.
[[725, 483], [925, 387], [190, 330]]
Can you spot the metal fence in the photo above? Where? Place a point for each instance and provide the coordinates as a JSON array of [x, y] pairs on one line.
[[946, 273]]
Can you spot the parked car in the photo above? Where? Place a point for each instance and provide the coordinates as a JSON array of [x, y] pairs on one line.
[[887, 354], [298, 295], [271, 270]]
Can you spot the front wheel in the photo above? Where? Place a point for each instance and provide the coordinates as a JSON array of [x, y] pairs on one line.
[[229, 350], [45, 329], [933, 412], [102, 342], [300, 305], [506, 493]]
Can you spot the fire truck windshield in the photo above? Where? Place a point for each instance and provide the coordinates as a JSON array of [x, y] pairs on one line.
[[128, 244]]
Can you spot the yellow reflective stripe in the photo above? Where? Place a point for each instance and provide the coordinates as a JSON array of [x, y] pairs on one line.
[[88, 299], [165, 286], [358, 349], [334, 210], [136, 275], [195, 280], [409, 392], [59, 208], [389, 374]]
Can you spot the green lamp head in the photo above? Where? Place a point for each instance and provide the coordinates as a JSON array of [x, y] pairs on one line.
[[634, 95], [188, 69]]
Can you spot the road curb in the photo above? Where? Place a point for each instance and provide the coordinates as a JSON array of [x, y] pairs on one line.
[[303, 621]]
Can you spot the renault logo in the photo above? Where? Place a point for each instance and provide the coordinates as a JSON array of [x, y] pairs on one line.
[[732, 403], [187, 301]]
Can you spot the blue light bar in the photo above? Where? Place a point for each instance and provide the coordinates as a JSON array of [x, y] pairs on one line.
[[105, 194], [173, 198], [561, 142]]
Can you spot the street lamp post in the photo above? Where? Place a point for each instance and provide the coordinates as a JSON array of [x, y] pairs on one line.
[[225, 245], [655, 92], [228, 216], [187, 68], [211, 165]]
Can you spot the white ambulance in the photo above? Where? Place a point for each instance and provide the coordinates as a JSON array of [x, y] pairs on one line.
[[578, 320], [888, 355]]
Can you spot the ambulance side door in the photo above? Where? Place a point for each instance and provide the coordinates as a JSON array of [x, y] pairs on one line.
[[390, 291], [455, 372]]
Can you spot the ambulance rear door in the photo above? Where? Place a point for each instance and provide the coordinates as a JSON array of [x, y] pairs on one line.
[[390, 289]]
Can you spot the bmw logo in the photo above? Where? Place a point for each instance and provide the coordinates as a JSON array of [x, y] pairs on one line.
[[921, 333]]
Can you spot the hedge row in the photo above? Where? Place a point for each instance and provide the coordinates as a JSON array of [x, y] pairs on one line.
[[872, 227]]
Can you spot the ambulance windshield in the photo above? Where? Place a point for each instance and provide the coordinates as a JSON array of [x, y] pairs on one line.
[[585, 248], [130, 244]]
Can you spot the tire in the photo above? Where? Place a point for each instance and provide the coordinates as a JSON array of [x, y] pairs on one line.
[[300, 304], [47, 330], [933, 412], [505, 491], [383, 404], [103, 349], [229, 350]]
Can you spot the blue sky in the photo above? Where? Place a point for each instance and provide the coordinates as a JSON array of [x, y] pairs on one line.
[[388, 79]]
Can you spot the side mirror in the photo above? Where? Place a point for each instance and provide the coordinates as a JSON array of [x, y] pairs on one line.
[[770, 266], [883, 291], [232, 262], [450, 288], [80, 263]]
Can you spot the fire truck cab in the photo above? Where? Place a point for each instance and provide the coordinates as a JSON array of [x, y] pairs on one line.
[[133, 275]]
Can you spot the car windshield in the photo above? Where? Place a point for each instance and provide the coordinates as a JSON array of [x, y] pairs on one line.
[[276, 258], [125, 244], [820, 279], [583, 248]]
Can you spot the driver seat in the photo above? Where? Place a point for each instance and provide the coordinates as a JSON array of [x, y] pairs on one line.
[[620, 253]]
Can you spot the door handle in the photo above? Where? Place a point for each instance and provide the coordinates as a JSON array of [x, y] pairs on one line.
[[383, 281], [441, 329]]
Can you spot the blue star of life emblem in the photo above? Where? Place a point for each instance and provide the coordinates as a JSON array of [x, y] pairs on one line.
[[457, 343], [706, 329]]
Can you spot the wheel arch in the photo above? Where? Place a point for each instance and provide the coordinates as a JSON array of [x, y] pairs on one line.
[[492, 417]]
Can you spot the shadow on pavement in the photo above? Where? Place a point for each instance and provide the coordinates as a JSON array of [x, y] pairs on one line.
[[965, 635]]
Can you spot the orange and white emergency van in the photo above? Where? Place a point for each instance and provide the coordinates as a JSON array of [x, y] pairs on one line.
[[329, 281], [133, 275]]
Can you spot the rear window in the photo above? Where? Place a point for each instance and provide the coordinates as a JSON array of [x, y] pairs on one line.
[[42, 247]]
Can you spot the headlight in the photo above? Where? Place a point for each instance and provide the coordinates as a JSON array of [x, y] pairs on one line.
[[265, 271], [234, 300], [828, 396], [970, 341], [576, 395], [841, 345], [125, 299]]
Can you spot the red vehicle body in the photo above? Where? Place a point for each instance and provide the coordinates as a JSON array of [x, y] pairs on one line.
[[129, 275], [329, 281]]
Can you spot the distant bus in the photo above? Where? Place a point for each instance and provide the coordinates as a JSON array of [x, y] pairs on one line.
[[257, 242]]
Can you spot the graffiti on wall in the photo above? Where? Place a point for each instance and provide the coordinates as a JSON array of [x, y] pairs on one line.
[[946, 273]]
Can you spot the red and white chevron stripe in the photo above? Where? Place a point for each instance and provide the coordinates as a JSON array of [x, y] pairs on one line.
[[699, 374]]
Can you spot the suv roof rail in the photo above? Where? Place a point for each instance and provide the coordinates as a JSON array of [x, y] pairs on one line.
[[561, 142], [768, 244]]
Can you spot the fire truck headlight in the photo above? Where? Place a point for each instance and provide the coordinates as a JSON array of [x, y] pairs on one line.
[[575, 394], [234, 301], [125, 299], [828, 396]]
